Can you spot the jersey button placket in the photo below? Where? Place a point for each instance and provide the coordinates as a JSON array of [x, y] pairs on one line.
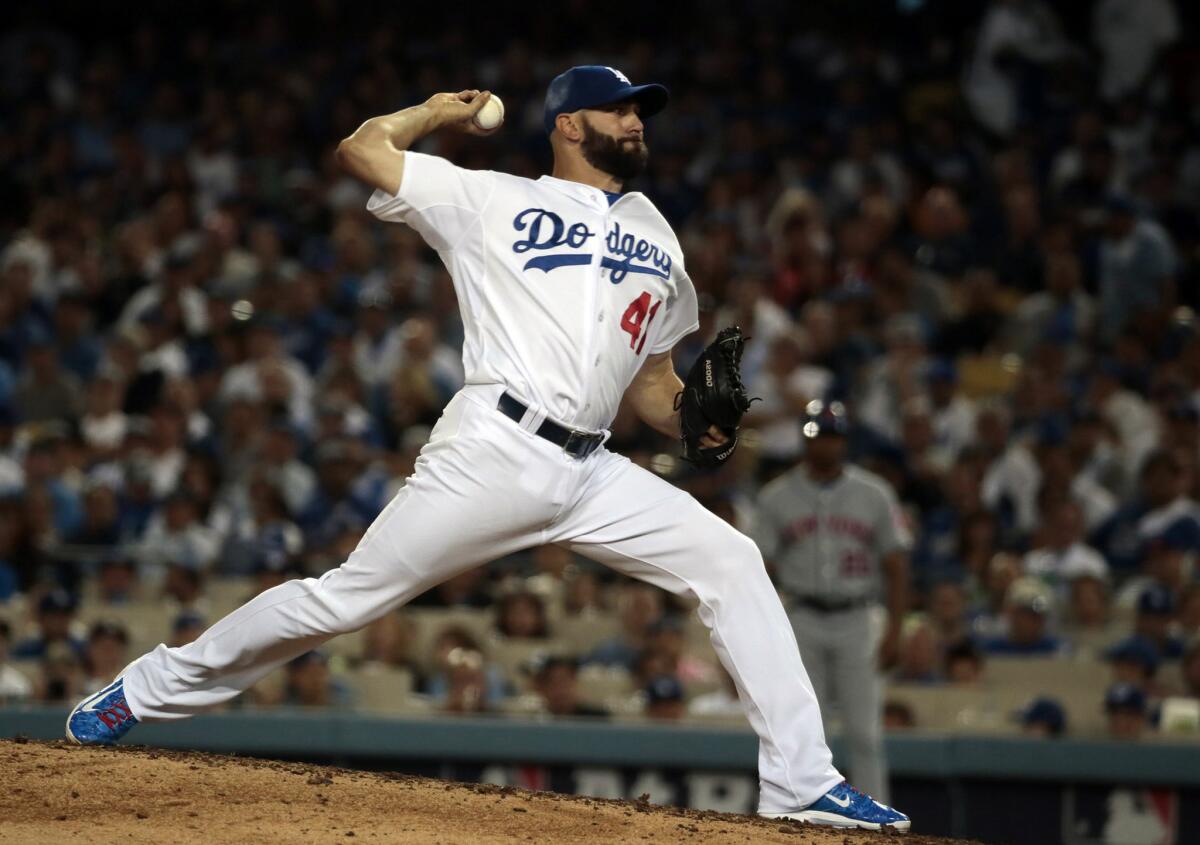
[[599, 319]]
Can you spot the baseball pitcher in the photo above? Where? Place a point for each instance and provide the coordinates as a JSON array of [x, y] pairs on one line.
[[572, 296]]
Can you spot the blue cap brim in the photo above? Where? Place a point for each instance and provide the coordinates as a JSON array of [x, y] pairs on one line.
[[652, 97]]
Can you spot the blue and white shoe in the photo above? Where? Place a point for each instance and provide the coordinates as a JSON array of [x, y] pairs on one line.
[[102, 718], [845, 806]]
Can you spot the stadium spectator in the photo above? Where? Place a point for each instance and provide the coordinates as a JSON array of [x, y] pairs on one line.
[[62, 676], [640, 607], [667, 637], [107, 654], [898, 716], [1002, 572], [47, 391], [14, 686], [948, 611], [1125, 706], [1135, 661], [1137, 272], [1043, 717], [1155, 621], [556, 683], [260, 532], [1088, 615], [103, 424], [309, 683], [390, 641], [1017, 43], [921, 659], [1131, 35], [521, 615], [1062, 556], [55, 621], [787, 382], [963, 663], [183, 585], [175, 535], [582, 596], [101, 521], [1027, 612], [459, 677], [117, 583], [186, 627], [466, 683], [664, 698], [978, 541]]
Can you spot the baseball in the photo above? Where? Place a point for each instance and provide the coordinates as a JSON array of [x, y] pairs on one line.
[[491, 115]]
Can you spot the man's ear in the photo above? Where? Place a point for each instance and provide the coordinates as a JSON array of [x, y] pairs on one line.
[[569, 126]]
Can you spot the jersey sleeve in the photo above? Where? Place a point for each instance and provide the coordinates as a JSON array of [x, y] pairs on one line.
[[892, 532], [681, 319], [440, 200]]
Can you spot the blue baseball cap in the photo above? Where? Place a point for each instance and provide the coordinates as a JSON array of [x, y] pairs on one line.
[[663, 688], [1156, 600], [1137, 650], [1124, 697], [588, 86], [1045, 711]]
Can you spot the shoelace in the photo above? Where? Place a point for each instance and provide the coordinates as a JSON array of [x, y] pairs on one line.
[[854, 791]]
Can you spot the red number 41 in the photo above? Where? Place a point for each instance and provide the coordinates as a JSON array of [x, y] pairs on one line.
[[637, 319]]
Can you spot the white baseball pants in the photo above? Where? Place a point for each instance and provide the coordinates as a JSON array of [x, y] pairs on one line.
[[484, 487]]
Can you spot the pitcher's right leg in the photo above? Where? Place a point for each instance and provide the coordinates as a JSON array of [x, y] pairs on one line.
[[479, 492]]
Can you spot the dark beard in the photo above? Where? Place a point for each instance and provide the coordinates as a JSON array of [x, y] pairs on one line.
[[623, 160]]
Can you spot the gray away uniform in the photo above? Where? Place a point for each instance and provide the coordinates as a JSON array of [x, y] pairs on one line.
[[827, 542]]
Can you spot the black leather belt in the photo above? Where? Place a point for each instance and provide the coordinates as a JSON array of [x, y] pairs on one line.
[[827, 606], [577, 444]]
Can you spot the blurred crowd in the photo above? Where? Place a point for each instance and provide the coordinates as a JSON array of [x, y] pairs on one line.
[[978, 225]]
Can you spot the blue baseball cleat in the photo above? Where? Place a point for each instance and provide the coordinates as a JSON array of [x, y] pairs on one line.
[[845, 806], [102, 718]]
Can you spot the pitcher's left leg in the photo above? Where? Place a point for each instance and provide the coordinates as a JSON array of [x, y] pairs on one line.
[[636, 523]]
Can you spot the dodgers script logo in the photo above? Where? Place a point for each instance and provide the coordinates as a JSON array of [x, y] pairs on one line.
[[544, 230]]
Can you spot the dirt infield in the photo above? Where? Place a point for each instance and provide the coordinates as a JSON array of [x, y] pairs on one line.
[[60, 793]]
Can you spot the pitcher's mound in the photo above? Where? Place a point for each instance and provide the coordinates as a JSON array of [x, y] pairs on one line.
[[60, 793]]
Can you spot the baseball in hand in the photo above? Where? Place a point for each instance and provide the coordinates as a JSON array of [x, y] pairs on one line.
[[491, 115]]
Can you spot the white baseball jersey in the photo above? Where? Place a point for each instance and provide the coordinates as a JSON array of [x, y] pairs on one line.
[[564, 289]]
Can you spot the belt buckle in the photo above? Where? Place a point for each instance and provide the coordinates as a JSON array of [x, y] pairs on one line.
[[580, 444]]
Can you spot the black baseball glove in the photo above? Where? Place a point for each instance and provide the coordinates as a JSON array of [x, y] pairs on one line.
[[713, 395]]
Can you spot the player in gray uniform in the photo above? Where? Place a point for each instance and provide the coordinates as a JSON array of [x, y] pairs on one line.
[[838, 544]]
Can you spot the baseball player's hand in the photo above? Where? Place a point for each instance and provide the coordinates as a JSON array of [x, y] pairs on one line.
[[456, 110], [713, 437]]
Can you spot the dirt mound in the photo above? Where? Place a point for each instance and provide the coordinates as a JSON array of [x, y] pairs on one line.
[[61, 793]]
